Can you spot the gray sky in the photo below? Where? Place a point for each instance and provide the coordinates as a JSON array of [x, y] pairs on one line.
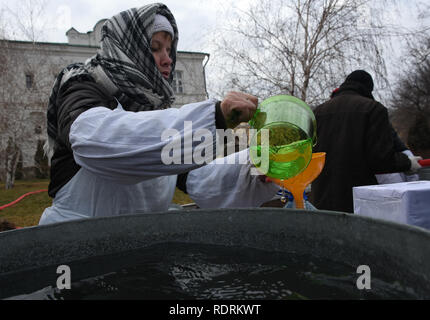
[[195, 18]]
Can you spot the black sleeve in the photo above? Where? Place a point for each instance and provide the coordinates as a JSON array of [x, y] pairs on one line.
[[219, 117], [75, 99], [379, 145], [72, 100], [399, 146], [181, 183]]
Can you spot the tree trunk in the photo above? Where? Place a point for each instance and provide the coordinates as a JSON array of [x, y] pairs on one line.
[[12, 158]]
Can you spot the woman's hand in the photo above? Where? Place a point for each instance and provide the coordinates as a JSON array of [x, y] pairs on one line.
[[238, 107]]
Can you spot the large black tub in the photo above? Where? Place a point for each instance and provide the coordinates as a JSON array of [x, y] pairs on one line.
[[218, 254]]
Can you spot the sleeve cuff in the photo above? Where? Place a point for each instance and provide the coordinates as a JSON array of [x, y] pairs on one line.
[[219, 117]]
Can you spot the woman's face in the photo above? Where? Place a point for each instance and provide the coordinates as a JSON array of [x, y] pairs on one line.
[[161, 44]]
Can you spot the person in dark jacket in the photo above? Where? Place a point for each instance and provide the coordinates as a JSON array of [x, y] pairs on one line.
[[397, 177], [354, 131]]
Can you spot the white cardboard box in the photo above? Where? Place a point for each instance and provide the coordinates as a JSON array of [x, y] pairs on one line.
[[405, 202]]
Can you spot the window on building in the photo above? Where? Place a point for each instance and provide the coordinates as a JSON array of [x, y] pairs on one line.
[[29, 80], [38, 129], [177, 82]]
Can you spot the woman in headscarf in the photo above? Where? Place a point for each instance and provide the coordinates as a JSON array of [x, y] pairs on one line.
[[106, 120]]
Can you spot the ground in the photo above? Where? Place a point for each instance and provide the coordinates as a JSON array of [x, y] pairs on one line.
[[27, 212]]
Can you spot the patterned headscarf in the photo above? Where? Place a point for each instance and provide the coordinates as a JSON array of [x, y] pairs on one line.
[[124, 65]]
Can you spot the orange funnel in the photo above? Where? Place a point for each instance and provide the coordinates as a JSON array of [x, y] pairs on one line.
[[297, 185]]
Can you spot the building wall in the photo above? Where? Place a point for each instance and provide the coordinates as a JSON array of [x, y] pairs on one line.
[[194, 82], [25, 108]]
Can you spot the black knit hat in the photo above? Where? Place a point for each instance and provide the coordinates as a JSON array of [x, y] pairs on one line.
[[362, 77]]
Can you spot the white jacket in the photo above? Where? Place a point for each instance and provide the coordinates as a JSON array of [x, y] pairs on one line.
[[122, 171]]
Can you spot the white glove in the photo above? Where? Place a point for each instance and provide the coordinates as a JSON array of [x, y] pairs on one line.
[[415, 166], [408, 153]]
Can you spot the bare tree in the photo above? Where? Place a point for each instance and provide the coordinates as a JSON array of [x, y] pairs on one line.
[[303, 48], [27, 16], [411, 99], [26, 77], [2, 23], [12, 129]]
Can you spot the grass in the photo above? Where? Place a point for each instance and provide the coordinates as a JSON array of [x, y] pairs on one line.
[[27, 212]]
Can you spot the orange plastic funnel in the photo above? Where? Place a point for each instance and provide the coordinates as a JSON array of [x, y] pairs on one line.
[[297, 185]]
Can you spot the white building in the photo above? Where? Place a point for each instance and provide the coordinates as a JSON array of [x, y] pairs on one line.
[[27, 73]]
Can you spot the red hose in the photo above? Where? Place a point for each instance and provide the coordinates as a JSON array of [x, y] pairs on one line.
[[424, 162], [21, 197]]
